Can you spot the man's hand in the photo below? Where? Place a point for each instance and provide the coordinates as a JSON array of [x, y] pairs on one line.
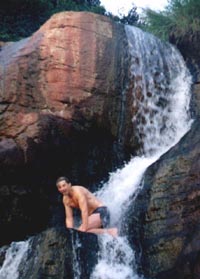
[[82, 228]]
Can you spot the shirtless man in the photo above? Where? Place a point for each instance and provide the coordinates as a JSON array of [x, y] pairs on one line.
[[95, 216]]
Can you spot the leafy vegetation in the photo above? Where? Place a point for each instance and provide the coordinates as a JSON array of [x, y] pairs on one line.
[[179, 18], [20, 18], [132, 18]]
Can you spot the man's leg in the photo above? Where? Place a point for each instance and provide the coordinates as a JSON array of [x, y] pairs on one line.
[[111, 231], [94, 221], [94, 226]]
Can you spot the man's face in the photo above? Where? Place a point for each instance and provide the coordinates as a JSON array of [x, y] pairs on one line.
[[63, 187]]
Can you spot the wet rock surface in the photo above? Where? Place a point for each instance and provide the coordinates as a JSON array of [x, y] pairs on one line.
[[60, 253], [189, 48]]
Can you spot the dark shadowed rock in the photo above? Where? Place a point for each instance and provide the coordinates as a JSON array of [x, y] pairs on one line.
[[2, 254], [10, 154], [189, 48], [60, 254]]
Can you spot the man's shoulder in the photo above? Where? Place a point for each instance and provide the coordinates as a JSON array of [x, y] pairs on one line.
[[79, 191], [78, 188]]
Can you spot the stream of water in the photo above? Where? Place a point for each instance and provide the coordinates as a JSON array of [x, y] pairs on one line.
[[15, 254], [162, 118]]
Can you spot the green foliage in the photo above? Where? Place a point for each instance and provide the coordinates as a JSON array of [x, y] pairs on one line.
[[180, 18], [98, 10], [20, 18], [132, 17], [160, 24]]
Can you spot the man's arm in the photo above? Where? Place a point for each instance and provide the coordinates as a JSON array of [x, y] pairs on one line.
[[69, 220], [84, 211]]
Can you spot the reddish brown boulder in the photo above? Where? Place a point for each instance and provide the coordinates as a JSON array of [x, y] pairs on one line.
[[68, 70]]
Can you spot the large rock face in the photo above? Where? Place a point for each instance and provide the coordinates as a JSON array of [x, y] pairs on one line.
[[65, 79], [60, 107]]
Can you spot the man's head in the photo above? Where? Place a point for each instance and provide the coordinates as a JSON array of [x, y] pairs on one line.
[[63, 184], [62, 178]]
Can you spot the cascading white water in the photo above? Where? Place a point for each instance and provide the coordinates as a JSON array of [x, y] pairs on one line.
[[116, 259], [163, 82], [15, 255]]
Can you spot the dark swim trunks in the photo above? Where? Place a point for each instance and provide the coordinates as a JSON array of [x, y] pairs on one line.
[[104, 215]]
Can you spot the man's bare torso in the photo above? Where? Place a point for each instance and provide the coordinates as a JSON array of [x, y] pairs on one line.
[[74, 199]]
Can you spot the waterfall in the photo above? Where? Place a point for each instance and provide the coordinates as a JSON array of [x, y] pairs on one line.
[[15, 255], [161, 95]]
